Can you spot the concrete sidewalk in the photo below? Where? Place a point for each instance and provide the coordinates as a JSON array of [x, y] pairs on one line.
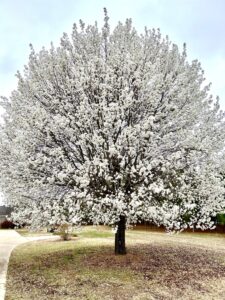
[[9, 239]]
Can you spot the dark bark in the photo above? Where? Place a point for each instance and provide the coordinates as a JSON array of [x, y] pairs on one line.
[[120, 247]]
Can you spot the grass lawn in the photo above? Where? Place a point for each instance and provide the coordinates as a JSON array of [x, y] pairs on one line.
[[25, 232], [158, 266]]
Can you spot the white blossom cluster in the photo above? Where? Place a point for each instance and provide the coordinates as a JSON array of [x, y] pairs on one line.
[[112, 124]]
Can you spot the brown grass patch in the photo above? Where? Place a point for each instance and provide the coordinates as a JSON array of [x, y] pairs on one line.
[[88, 269]]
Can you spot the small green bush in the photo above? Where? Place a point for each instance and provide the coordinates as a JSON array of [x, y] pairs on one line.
[[220, 219]]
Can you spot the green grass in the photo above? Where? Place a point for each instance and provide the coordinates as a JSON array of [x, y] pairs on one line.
[[157, 266], [95, 234], [26, 232], [90, 232]]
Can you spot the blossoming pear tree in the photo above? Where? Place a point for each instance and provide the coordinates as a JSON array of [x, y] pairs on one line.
[[113, 128]]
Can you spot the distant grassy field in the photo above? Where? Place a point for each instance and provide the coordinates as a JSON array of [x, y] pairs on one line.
[[26, 232], [158, 266]]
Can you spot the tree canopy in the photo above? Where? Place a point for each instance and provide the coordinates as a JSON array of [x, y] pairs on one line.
[[110, 125]]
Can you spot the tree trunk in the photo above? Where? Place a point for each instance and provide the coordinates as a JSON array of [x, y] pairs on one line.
[[120, 237]]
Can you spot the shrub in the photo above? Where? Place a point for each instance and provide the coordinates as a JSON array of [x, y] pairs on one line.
[[64, 232], [221, 219], [7, 225]]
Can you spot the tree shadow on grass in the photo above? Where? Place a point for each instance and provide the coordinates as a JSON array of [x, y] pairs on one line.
[[165, 264]]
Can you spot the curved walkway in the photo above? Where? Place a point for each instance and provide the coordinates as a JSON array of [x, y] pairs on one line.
[[9, 239]]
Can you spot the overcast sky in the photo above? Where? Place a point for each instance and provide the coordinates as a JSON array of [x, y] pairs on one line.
[[199, 23]]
